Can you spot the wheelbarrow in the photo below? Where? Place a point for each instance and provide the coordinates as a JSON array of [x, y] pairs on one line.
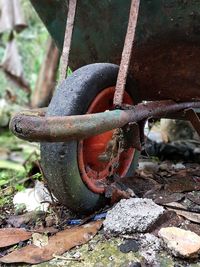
[[92, 131]]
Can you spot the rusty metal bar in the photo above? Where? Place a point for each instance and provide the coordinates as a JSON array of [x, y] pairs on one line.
[[57, 129], [68, 39], [126, 54]]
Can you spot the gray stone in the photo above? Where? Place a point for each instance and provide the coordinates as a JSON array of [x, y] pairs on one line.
[[129, 245], [149, 248], [132, 215]]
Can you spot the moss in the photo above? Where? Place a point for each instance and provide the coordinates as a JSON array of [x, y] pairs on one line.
[[99, 252]]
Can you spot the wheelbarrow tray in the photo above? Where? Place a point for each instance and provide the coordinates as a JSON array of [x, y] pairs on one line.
[[165, 61]]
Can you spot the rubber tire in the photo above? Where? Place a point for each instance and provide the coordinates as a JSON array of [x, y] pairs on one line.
[[59, 160]]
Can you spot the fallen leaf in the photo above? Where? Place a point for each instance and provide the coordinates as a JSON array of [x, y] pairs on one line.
[[45, 230], [139, 185], [11, 236], [191, 216], [18, 220], [193, 227], [58, 244], [194, 197], [164, 197], [182, 182], [175, 205], [167, 219]]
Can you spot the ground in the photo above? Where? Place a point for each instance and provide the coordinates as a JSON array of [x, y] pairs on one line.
[[164, 182]]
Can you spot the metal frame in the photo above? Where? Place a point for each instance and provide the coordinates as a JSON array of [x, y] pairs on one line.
[[34, 126]]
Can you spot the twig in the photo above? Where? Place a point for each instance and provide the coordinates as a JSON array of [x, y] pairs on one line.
[[66, 259]]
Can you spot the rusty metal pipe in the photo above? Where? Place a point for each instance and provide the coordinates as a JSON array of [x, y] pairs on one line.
[[29, 126]]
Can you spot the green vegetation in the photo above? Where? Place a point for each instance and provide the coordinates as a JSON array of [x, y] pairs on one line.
[[13, 173], [31, 44]]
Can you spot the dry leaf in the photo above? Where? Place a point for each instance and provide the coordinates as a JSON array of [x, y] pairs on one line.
[[191, 216], [12, 65], [162, 197], [175, 205], [11, 236], [12, 17], [167, 219], [184, 181], [18, 220], [194, 197], [58, 244], [45, 230]]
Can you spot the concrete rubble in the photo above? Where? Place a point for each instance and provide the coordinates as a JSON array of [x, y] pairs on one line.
[[132, 215], [182, 243], [150, 245], [37, 198]]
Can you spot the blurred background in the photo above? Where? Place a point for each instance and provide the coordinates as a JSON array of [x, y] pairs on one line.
[[28, 69]]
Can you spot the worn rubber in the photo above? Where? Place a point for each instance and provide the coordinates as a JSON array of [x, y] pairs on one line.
[[59, 160]]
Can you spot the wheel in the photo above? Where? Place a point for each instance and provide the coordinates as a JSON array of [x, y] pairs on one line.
[[77, 171]]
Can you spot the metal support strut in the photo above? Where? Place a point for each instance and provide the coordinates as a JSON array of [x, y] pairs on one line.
[[126, 54], [67, 39]]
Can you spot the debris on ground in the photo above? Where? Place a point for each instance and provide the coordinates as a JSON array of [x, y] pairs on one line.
[[149, 248], [57, 245], [12, 236], [181, 243], [172, 187], [23, 219], [180, 150], [37, 198], [40, 240], [148, 166], [129, 245], [132, 215]]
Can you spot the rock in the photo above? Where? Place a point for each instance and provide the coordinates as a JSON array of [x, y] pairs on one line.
[[40, 240], [149, 248], [132, 215], [37, 198], [182, 243], [148, 166], [129, 245], [178, 166], [135, 264]]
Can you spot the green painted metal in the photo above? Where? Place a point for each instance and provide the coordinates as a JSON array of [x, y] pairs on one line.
[[167, 39]]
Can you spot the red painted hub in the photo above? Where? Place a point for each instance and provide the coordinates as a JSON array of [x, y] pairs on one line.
[[95, 162]]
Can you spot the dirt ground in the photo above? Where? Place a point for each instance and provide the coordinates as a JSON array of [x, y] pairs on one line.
[[175, 186]]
